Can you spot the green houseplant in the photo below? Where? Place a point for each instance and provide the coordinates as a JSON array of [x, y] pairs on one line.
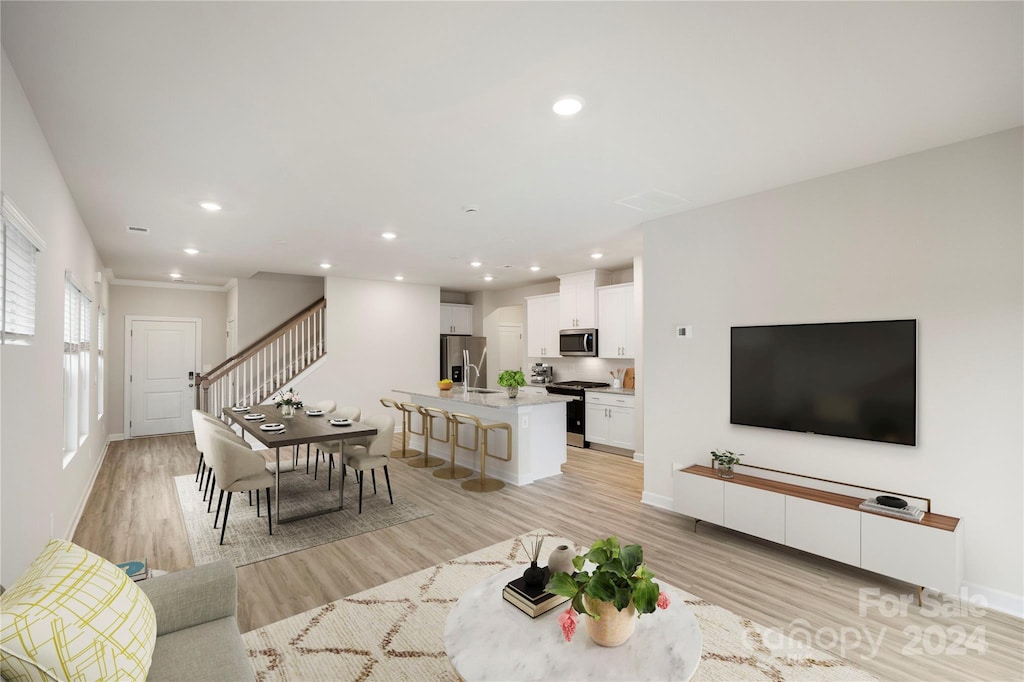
[[619, 587], [511, 380], [725, 461]]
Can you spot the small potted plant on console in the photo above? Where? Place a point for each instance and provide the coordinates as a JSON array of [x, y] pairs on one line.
[[511, 380], [725, 461]]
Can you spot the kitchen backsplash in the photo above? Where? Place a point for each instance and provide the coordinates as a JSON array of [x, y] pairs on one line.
[[581, 369]]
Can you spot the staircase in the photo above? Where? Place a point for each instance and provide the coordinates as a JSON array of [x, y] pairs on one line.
[[257, 372]]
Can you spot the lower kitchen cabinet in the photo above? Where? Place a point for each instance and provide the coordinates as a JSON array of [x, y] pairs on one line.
[[610, 420]]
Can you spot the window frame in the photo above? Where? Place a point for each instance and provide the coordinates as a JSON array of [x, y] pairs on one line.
[[12, 218], [76, 365]]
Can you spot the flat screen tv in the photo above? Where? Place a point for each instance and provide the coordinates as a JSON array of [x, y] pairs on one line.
[[849, 379]]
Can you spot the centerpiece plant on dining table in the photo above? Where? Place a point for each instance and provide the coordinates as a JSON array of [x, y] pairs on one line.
[[288, 401], [619, 586]]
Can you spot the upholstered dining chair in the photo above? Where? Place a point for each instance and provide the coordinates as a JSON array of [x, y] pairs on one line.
[[330, 448], [202, 424], [328, 407], [238, 469], [374, 453]]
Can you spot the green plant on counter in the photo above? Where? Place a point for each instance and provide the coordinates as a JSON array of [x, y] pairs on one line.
[[511, 377], [725, 458]]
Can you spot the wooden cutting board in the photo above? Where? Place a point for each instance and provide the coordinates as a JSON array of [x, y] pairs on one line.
[[629, 379]]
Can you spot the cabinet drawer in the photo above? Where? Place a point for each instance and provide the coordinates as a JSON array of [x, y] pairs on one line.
[[756, 512], [909, 551], [699, 497], [610, 399], [823, 529]]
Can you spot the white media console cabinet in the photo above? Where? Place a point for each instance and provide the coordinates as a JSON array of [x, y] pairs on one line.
[[927, 554]]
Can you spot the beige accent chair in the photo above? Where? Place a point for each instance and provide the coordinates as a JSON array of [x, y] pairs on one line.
[[238, 469], [330, 448], [374, 452], [202, 423]]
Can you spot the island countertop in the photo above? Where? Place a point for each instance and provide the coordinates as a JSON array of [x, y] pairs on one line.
[[498, 400]]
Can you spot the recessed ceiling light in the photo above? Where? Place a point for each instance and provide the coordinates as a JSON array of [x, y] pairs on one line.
[[175, 275], [191, 251], [399, 278], [595, 256], [325, 266], [488, 278], [210, 206], [534, 268], [389, 235], [570, 105], [476, 264]]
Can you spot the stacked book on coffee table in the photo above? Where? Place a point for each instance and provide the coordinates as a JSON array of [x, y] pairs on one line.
[[529, 600]]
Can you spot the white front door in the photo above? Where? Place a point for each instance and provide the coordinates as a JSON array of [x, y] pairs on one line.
[[163, 362]]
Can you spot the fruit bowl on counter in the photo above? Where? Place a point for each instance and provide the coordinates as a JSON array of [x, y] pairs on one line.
[[445, 384]]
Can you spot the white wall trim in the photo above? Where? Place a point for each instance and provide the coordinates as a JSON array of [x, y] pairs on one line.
[[80, 509], [165, 285], [659, 501], [638, 457], [115, 436], [128, 320], [14, 216], [999, 600]]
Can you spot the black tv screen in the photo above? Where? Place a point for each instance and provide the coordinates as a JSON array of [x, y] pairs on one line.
[[850, 379]]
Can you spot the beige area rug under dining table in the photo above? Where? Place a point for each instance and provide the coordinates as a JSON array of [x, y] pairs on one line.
[[396, 632], [247, 540]]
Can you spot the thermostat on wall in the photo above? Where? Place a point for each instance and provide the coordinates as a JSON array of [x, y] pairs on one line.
[[684, 331]]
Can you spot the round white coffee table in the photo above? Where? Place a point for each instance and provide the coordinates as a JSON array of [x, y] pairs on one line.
[[489, 639]]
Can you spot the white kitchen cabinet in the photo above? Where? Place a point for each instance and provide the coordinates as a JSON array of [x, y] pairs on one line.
[[757, 512], [578, 299], [615, 321], [456, 318], [542, 326], [699, 497], [610, 419]]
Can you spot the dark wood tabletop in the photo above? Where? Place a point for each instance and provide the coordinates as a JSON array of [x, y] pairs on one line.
[[298, 430]]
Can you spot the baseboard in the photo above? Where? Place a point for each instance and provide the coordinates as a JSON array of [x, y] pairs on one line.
[[73, 526], [659, 501], [998, 600], [638, 457]]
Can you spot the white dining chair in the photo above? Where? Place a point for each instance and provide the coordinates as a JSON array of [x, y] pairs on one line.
[[332, 447], [238, 470], [374, 453]]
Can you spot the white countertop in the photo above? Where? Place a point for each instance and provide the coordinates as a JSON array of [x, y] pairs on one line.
[[614, 391], [498, 401]]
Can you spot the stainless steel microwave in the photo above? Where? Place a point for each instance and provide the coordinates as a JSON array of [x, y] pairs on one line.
[[577, 342]]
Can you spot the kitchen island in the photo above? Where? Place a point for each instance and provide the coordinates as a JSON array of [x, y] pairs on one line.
[[538, 431]]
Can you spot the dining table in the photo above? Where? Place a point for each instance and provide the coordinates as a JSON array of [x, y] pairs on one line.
[[299, 429]]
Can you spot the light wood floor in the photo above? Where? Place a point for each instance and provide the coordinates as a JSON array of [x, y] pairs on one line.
[[133, 512]]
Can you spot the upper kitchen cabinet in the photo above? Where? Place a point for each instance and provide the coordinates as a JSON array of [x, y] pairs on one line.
[[542, 326], [578, 298], [616, 321], [456, 319]]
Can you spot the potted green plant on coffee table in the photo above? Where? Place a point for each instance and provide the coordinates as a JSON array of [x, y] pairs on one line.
[[511, 380]]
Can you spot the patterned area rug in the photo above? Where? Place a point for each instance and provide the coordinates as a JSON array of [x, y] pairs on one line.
[[247, 541], [396, 632]]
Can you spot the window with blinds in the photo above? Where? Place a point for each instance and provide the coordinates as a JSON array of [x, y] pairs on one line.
[[18, 281], [76, 367], [101, 333]]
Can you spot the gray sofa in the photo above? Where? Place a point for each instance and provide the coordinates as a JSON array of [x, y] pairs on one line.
[[196, 632]]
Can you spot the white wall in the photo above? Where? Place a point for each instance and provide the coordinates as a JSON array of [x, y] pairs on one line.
[[935, 236], [209, 306], [380, 336], [268, 299], [38, 497]]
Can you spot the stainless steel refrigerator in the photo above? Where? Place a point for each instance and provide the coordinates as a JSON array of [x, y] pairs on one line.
[[464, 359]]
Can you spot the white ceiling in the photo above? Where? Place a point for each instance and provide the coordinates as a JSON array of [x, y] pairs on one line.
[[319, 125]]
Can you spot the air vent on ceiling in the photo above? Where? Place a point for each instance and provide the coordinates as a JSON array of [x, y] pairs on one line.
[[183, 281], [137, 230], [654, 201]]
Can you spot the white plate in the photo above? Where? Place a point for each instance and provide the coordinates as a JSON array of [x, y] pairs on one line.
[[314, 413], [272, 427], [254, 417], [240, 408], [341, 422]]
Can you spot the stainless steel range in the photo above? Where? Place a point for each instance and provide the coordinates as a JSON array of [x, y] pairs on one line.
[[575, 411]]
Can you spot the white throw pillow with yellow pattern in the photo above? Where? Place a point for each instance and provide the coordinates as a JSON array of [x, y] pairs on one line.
[[75, 616]]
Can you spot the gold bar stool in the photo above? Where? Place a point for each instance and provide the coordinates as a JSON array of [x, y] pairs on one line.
[[453, 470], [406, 451], [484, 484], [429, 414]]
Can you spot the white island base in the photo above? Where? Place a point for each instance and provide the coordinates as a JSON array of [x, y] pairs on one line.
[[538, 432]]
